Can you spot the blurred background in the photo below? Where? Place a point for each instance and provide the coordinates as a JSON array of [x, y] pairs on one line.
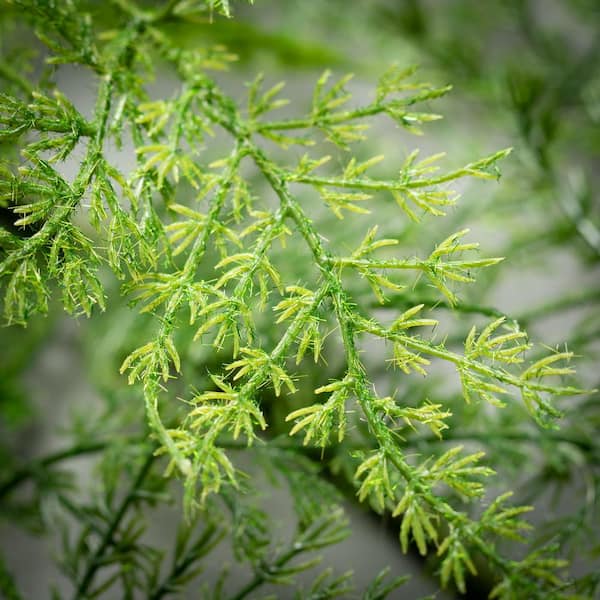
[[525, 74]]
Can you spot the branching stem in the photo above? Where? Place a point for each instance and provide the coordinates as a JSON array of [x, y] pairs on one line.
[[40, 465], [108, 537]]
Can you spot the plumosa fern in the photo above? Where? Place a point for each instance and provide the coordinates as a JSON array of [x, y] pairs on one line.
[[198, 234]]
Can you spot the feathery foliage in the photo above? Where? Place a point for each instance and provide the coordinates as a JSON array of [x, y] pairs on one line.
[[204, 237]]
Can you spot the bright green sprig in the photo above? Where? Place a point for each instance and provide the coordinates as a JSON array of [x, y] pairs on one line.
[[339, 125], [436, 267], [483, 378], [50, 114], [415, 185], [379, 483], [320, 420], [301, 298]]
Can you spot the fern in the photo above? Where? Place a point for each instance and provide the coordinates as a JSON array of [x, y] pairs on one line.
[[198, 236]]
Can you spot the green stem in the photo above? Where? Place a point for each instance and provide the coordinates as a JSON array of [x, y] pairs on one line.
[[40, 465], [377, 185], [207, 541], [200, 243], [37, 466], [412, 263], [108, 538], [260, 577], [440, 351], [151, 388], [82, 127], [322, 121], [344, 116], [585, 445], [284, 344], [388, 444]]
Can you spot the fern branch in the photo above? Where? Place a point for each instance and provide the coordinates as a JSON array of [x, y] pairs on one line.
[[404, 183], [187, 560], [108, 537], [325, 118], [439, 351], [327, 530], [459, 523]]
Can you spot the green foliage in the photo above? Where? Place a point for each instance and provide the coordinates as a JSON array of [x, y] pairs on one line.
[[201, 237]]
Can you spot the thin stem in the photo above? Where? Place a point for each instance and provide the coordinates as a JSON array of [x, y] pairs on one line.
[[168, 319], [38, 466], [321, 121], [81, 127], [260, 577], [378, 185], [284, 344], [165, 12], [108, 538], [384, 436], [41, 464], [411, 263], [508, 436], [440, 351], [209, 538], [348, 115], [177, 571]]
